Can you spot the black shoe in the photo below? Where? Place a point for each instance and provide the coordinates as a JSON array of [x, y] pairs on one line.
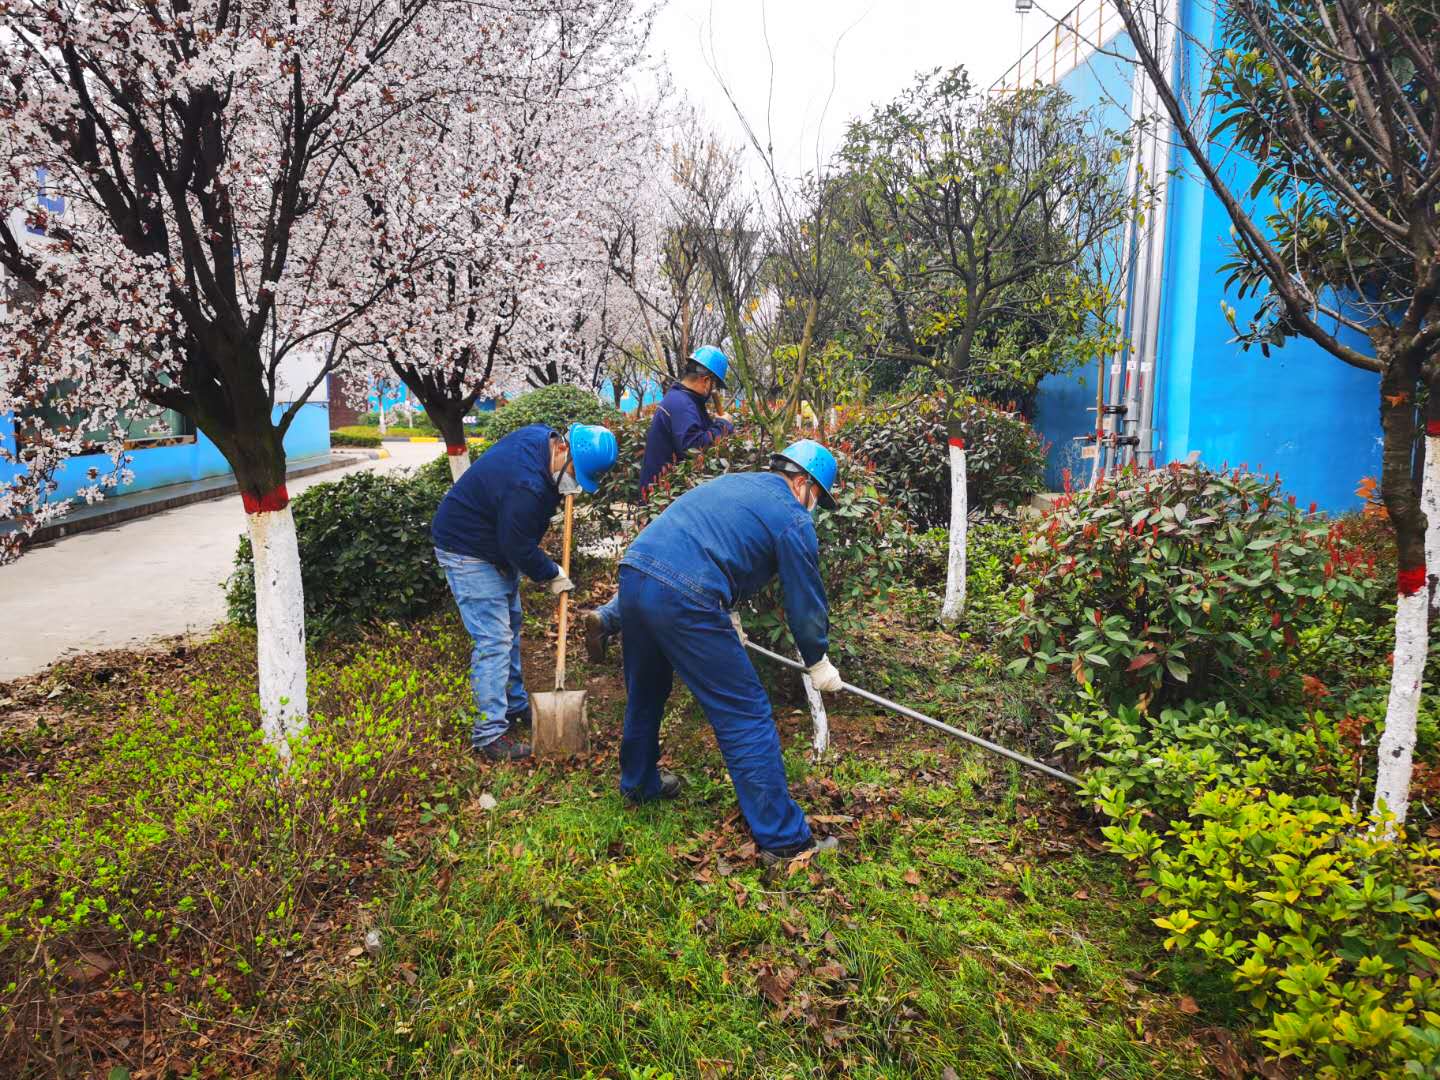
[[596, 639], [518, 718], [669, 788], [772, 859], [506, 748]]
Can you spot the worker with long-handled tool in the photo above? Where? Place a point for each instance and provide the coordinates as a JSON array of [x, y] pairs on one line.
[[487, 533], [679, 583], [682, 423]]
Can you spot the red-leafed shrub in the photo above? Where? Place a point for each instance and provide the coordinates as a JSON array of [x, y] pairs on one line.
[[1161, 583]]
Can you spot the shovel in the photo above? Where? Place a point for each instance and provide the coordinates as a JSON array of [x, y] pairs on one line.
[[559, 725]]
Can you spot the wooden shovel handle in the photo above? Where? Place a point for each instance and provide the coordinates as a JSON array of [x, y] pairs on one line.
[[564, 596]]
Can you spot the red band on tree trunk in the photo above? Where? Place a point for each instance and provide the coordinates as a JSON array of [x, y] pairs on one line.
[[456, 448], [270, 501], [1432, 427], [1409, 582], [958, 443]]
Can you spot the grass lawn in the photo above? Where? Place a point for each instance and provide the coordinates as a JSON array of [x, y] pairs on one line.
[[970, 925]]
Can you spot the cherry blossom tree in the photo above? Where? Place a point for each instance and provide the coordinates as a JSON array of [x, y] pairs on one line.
[[221, 162], [534, 148]]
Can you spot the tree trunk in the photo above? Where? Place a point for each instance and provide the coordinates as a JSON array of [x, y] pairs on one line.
[[255, 450], [1430, 499], [959, 513], [448, 416], [1412, 603], [818, 716], [279, 618]]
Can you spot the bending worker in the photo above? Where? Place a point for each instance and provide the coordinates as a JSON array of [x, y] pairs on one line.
[[679, 583], [487, 533], [681, 424]]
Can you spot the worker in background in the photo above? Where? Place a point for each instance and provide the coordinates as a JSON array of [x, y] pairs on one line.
[[680, 580], [682, 423], [487, 533]]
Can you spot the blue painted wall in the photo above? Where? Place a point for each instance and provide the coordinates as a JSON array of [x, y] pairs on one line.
[[308, 436], [1064, 407], [1300, 412], [650, 395]]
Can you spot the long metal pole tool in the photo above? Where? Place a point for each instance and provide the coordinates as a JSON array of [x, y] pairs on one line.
[[886, 703]]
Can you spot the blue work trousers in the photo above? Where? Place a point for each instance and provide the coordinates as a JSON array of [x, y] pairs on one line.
[[489, 602], [610, 615], [667, 632]]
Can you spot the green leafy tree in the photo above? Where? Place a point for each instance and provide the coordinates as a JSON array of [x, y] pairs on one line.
[[985, 224], [1339, 237]]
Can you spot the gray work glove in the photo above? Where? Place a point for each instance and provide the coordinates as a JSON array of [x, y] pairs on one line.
[[824, 677], [561, 583], [739, 629]]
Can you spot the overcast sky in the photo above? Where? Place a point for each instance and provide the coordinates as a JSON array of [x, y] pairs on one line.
[[885, 43]]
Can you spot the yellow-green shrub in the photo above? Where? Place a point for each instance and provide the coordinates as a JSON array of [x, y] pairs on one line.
[[1327, 928]]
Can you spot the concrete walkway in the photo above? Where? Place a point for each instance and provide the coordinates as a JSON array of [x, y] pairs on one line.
[[153, 577]]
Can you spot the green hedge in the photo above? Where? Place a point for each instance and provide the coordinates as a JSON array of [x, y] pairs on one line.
[[557, 406], [367, 438], [365, 552]]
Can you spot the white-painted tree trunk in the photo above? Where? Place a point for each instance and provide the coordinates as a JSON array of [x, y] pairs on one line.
[[280, 625], [1430, 504], [1397, 744], [818, 716], [459, 461], [1413, 608], [955, 566]]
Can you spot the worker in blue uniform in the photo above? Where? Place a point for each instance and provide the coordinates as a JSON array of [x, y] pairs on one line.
[[679, 583], [487, 533], [682, 423]]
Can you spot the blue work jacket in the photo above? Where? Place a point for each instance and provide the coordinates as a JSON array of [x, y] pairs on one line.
[[681, 424], [501, 506], [725, 540]]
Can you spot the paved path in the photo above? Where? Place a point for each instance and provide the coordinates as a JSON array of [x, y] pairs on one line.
[[152, 577]]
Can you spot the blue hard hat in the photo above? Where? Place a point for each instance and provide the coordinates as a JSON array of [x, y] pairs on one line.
[[593, 449], [818, 462], [713, 360]]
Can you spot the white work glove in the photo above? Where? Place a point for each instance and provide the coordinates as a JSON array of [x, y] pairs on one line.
[[561, 583], [739, 629], [824, 677]]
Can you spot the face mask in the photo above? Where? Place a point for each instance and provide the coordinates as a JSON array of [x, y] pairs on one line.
[[567, 484]]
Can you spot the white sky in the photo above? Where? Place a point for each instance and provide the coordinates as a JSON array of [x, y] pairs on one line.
[[887, 44]]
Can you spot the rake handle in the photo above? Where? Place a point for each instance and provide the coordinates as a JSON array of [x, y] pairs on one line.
[[564, 596], [896, 707]]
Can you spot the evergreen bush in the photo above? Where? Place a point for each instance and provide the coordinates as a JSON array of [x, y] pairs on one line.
[[907, 444]]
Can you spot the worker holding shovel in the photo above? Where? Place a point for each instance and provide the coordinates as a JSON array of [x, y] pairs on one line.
[[682, 423], [487, 533], [679, 583]]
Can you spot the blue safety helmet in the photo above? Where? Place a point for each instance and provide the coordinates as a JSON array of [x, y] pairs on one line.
[[593, 449], [818, 463], [713, 360]]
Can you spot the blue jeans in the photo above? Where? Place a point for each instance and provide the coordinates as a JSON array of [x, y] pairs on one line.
[[489, 602], [610, 615], [665, 632]]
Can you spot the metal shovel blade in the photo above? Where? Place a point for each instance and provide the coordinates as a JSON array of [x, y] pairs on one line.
[[559, 724]]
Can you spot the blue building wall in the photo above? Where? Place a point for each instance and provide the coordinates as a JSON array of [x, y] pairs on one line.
[[1299, 412], [651, 394], [308, 436]]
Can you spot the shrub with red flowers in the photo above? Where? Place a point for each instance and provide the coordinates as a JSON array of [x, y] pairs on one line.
[[1185, 582]]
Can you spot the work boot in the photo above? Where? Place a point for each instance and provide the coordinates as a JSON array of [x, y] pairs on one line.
[[596, 639], [522, 717], [773, 860], [507, 747], [669, 788]]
